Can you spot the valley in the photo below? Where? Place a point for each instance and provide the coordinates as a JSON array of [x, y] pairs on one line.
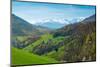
[[72, 43]]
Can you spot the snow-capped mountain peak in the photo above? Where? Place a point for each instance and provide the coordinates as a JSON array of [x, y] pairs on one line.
[[57, 23], [53, 24]]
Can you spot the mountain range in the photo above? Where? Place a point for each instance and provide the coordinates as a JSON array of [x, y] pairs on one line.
[[55, 24], [75, 28], [22, 27], [72, 42], [51, 24]]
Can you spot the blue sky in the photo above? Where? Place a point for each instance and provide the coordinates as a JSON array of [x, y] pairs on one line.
[[38, 12]]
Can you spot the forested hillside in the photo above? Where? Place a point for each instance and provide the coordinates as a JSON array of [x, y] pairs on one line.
[[72, 43]]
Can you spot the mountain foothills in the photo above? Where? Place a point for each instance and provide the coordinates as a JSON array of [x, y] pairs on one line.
[[74, 42]]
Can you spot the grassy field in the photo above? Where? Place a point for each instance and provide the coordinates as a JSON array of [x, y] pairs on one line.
[[20, 57], [44, 38]]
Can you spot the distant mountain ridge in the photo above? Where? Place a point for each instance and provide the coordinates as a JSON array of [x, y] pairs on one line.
[[75, 28], [51, 24], [90, 19], [55, 24], [22, 27]]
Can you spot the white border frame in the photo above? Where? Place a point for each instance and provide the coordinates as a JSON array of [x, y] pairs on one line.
[[5, 34]]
